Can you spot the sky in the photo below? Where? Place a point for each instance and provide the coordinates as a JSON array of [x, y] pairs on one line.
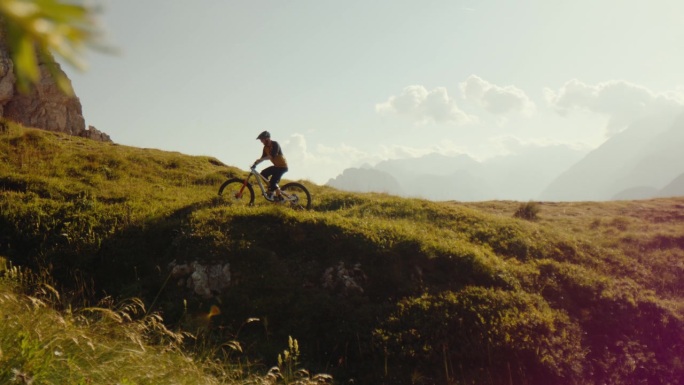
[[342, 84]]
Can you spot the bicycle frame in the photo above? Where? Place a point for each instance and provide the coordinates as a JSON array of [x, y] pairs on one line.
[[261, 181]]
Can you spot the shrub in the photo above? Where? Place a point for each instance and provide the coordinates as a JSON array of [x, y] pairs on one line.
[[484, 335], [528, 211]]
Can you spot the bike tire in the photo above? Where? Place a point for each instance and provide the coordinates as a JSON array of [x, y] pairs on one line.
[[230, 192], [303, 201]]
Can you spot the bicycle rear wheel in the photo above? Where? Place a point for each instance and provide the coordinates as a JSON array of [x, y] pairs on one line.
[[298, 196], [236, 192]]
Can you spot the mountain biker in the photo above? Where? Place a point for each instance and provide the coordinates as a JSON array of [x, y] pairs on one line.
[[274, 153]]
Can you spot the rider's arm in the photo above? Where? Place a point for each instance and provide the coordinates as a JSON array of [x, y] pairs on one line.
[[263, 158], [275, 147]]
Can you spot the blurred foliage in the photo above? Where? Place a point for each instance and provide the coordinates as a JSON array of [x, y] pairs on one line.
[[35, 29]]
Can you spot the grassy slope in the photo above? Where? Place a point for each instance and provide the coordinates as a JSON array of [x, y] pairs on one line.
[[589, 293]]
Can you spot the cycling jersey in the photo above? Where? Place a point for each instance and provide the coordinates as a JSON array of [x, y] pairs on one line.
[[273, 149]]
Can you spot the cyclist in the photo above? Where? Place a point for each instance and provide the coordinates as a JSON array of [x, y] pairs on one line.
[[274, 153]]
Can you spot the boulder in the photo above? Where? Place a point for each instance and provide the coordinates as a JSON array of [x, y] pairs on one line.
[[95, 134], [204, 279]]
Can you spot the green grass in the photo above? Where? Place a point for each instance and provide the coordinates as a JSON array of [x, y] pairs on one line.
[[42, 342], [373, 287], [89, 346]]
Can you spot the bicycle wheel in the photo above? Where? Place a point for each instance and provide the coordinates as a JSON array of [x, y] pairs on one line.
[[232, 191], [298, 196]]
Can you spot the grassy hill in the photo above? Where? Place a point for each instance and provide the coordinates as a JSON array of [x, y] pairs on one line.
[[375, 288]]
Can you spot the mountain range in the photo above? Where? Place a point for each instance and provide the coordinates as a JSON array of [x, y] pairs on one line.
[[643, 161]]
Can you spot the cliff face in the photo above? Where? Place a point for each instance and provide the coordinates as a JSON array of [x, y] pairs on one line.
[[45, 106], [7, 79]]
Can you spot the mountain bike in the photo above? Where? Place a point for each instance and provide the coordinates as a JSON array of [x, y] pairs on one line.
[[241, 192]]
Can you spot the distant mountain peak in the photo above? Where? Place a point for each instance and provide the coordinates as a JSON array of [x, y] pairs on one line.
[[648, 153]]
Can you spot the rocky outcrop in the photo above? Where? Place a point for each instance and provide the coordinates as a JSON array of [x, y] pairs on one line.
[[205, 280], [7, 79], [45, 106], [95, 134], [208, 280], [344, 280]]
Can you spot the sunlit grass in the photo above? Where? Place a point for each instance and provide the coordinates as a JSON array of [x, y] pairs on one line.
[[608, 273]]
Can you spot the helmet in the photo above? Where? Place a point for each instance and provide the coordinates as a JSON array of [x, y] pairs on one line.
[[264, 135]]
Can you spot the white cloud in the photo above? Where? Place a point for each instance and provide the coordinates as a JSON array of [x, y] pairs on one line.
[[496, 99], [621, 101], [423, 106], [297, 148]]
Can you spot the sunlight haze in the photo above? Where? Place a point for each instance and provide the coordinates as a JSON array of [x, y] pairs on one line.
[[346, 83]]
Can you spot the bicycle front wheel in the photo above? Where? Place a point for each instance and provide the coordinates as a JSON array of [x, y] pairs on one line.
[[298, 196], [236, 192]]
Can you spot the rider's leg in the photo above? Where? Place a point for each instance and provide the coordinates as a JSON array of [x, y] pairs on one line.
[[276, 174], [268, 173]]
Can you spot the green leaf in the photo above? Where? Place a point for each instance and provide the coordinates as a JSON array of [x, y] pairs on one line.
[[25, 63], [40, 27]]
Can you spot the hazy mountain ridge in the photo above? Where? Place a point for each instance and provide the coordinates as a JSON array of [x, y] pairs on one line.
[[641, 162], [674, 188], [438, 177], [646, 156], [366, 180]]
